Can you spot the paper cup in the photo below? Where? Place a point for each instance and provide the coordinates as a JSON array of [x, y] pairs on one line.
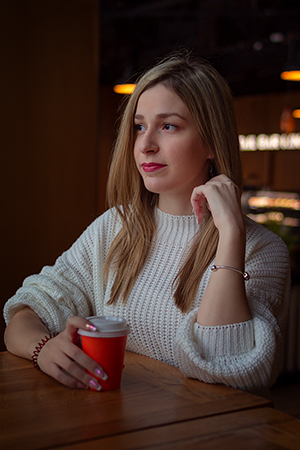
[[107, 347]]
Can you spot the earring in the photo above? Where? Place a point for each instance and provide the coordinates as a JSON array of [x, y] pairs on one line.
[[212, 169]]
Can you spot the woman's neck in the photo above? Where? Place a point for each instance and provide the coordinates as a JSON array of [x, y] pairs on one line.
[[175, 205]]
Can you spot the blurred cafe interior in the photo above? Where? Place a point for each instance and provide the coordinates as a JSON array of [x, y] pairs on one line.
[[61, 60]]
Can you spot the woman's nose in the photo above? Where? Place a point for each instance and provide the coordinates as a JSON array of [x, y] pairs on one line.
[[149, 142]]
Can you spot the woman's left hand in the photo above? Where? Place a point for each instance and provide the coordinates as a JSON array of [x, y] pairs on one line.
[[223, 199], [225, 287]]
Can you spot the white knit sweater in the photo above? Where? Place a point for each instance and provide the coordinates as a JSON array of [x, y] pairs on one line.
[[244, 355]]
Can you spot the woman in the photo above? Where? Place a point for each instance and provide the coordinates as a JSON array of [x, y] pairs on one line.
[[170, 253]]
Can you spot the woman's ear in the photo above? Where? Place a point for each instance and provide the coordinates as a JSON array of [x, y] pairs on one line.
[[209, 153]]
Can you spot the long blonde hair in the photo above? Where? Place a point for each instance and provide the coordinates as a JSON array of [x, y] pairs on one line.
[[210, 102]]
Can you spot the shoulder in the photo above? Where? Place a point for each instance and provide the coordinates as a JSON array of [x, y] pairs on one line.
[[103, 227], [107, 223], [109, 216]]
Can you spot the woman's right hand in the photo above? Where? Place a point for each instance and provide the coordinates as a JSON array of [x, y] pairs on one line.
[[63, 360]]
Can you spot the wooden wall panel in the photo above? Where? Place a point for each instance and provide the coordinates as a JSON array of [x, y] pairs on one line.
[[256, 168], [286, 171], [109, 114], [49, 75]]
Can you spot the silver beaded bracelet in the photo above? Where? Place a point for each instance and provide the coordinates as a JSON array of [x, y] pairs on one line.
[[245, 275]]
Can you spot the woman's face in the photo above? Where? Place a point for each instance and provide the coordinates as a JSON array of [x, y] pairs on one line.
[[168, 149]]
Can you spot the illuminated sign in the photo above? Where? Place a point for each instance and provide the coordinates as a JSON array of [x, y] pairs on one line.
[[274, 141], [267, 202]]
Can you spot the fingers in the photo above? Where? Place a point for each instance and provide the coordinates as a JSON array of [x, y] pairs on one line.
[[198, 201], [73, 375], [77, 358], [221, 196], [62, 359], [75, 322]]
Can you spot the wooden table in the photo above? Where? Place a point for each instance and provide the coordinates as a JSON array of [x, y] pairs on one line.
[[156, 407]]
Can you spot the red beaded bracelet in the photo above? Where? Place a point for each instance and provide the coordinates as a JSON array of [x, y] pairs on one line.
[[38, 348]]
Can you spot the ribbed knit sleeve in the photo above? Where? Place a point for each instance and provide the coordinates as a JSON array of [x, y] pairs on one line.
[[245, 355], [73, 286]]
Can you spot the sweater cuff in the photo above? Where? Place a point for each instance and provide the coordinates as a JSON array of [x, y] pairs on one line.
[[224, 340]]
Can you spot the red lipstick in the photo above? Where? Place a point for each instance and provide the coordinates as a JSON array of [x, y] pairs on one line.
[[152, 167]]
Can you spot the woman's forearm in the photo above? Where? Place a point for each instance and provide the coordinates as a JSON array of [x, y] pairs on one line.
[[224, 301], [23, 333]]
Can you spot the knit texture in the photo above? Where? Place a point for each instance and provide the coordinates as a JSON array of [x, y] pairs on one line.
[[244, 355]]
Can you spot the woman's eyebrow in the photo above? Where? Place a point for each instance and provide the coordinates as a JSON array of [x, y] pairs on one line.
[[161, 116]]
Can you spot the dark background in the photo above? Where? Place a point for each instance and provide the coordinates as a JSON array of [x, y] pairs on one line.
[[59, 62]]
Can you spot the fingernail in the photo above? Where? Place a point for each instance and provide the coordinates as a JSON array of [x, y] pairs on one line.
[[101, 374], [93, 384], [90, 326]]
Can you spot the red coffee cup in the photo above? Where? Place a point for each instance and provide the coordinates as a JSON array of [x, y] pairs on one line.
[[107, 347]]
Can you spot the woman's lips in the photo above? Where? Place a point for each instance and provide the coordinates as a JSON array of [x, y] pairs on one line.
[[152, 167]]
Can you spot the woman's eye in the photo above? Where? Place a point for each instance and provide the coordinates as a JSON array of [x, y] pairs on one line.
[[139, 127], [170, 127]]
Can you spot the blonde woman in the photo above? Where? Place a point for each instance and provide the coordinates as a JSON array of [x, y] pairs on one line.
[[201, 286]]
